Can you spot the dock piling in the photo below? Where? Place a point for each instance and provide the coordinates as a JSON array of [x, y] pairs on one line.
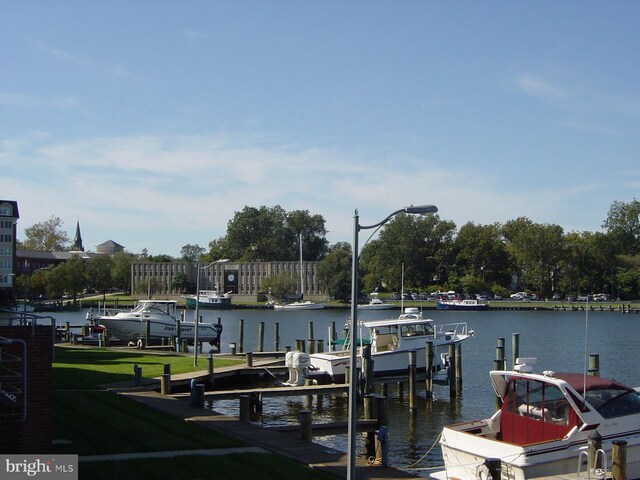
[[619, 460], [413, 388], [261, 337], [306, 431], [240, 335], [276, 336]]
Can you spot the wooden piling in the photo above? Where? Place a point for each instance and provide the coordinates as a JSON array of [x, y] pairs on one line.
[[515, 348], [413, 390], [310, 330], [458, 366], [198, 395], [249, 358], [452, 369], [261, 337], [240, 345], [137, 375], [245, 402], [166, 368], [306, 432], [594, 365], [332, 335], [210, 372], [276, 336], [619, 459], [165, 384], [429, 371], [381, 411], [369, 408], [367, 369]]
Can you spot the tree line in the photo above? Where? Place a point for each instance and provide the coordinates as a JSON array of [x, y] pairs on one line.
[[422, 253]]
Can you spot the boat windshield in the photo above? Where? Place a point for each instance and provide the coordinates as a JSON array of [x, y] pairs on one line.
[[416, 330], [612, 402]]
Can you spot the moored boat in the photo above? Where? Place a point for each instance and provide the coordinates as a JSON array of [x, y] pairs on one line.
[[375, 303], [467, 304], [391, 340], [306, 305], [155, 319], [543, 426], [212, 299]]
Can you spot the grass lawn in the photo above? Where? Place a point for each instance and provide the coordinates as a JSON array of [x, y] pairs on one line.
[[94, 421]]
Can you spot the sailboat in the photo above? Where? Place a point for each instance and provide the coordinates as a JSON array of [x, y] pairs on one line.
[[303, 305]]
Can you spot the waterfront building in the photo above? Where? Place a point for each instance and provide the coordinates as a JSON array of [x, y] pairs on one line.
[[8, 225], [242, 279]]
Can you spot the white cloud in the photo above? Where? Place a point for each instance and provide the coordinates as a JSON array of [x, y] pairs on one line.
[[539, 87]]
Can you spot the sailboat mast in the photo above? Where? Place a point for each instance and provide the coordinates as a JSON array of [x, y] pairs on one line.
[[301, 276]]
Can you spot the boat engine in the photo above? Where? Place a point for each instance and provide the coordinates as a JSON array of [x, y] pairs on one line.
[[296, 363]]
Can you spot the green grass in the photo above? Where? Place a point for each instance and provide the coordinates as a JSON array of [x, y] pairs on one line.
[[94, 421]]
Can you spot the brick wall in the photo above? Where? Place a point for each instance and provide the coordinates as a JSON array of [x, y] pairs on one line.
[[35, 434]]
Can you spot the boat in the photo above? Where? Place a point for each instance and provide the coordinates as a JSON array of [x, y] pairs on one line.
[[375, 303], [391, 340], [543, 425], [209, 299], [160, 315], [468, 304], [306, 305]]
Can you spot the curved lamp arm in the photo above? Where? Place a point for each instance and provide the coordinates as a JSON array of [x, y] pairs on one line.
[[414, 210]]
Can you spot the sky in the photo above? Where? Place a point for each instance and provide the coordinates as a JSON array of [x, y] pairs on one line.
[[153, 122]]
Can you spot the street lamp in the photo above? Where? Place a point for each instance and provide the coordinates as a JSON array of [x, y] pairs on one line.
[[353, 370], [195, 326]]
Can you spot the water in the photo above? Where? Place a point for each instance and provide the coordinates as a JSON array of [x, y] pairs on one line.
[[557, 339]]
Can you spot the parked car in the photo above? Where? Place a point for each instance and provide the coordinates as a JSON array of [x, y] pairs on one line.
[[600, 297]]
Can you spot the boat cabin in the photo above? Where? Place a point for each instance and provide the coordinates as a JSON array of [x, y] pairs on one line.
[[388, 335], [166, 307], [537, 410]]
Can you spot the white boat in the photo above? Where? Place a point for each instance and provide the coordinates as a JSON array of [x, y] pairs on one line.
[[391, 340], [375, 303], [306, 305], [543, 426], [467, 304], [161, 318], [209, 299]]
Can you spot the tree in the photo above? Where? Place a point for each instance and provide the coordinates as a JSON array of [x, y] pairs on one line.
[[334, 273], [179, 282], [281, 285], [99, 270], [623, 224], [46, 236], [256, 234], [191, 253], [121, 270]]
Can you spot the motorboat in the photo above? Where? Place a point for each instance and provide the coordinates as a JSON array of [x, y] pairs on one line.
[[543, 425], [213, 299], [375, 303], [391, 340], [306, 305], [160, 316], [467, 304]]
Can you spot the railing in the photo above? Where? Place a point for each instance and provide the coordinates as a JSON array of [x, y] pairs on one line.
[[453, 329]]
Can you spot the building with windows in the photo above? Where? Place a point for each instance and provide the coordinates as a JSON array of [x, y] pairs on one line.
[[242, 279], [8, 226]]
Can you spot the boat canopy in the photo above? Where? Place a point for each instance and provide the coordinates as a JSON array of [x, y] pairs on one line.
[[396, 322]]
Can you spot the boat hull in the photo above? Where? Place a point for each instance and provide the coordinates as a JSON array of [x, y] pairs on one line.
[[219, 304], [131, 329], [458, 306], [300, 306]]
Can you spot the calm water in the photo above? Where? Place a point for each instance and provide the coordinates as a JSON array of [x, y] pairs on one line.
[[557, 339]]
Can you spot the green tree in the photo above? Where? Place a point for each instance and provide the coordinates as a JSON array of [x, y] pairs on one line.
[[99, 273], [191, 253], [281, 285], [121, 270], [623, 224], [334, 273], [179, 282], [46, 236]]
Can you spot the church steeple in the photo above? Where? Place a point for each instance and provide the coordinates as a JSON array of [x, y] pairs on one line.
[[77, 241]]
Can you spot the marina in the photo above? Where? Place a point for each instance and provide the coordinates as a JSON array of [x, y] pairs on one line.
[[555, 338]]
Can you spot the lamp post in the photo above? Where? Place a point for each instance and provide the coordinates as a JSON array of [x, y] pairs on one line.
[[197, 319], [353, 370]]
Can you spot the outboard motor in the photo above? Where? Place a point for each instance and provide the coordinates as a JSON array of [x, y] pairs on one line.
[[300, 361]]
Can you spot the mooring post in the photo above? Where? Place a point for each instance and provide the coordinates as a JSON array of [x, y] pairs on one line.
[[310, 336], [332, 335], [367, 369], [306, 432], [165, 384], [500, 352], [137, 375], [232, 349], [381, 411], [249, 357], [619, 459], [452, 370], [413, 390], [240, 335], [166, 368], [245, 402], [594, 365], [429, 365], [458, 365], [319, 345], [276, 337], [369, 407], [310, 329], [210, 372], [198, 395], [261, 337], [515, 348]]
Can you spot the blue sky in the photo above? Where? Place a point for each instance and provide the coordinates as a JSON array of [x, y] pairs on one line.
[[153, 122]]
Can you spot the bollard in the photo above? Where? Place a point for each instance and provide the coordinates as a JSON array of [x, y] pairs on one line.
[[198, 396], [249, 356], [619, 459], [245, 402], [137, 375], [232, 349], [165, 384], [306, 433]]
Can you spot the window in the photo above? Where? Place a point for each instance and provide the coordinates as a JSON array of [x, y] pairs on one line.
[[615, 402]]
